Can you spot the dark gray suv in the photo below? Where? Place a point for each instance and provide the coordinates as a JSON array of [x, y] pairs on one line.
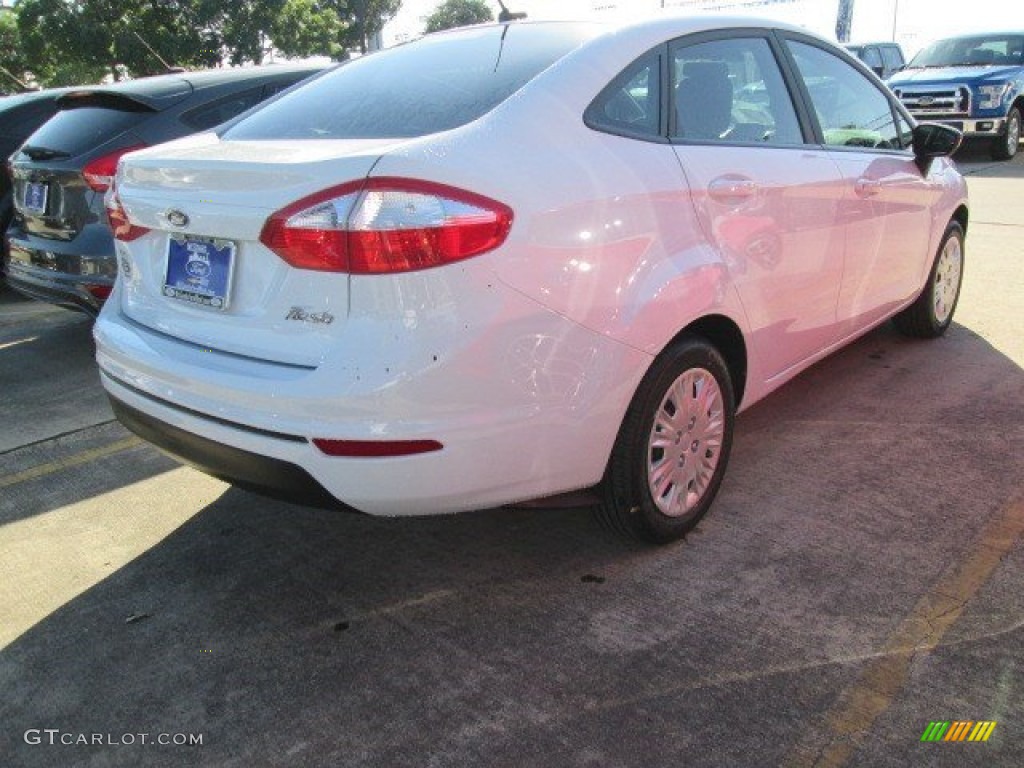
[[60, 248], [20, 115]]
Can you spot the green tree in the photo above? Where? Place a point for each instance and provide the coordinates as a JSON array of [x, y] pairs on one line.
[[69, 42], [305, 27], [14, 69], [65, 42], [367, 18], [458, 13], [243, 26]]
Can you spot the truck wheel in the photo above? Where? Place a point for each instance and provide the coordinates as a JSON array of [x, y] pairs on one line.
[[1004, 147]]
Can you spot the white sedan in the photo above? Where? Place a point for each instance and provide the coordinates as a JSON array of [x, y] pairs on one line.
[[516, 260]]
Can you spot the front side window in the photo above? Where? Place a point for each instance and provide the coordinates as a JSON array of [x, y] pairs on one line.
[[851, 110], [732, 91]]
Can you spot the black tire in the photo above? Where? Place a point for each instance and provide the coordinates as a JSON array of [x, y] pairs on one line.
[[1004, 147], [932, 312], [693, 368]]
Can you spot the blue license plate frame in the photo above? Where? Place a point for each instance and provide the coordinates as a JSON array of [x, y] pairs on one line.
[[199, 271]]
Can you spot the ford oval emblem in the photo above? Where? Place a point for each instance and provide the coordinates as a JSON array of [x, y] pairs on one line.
[[926, 101], [177, 218], [198, 268]]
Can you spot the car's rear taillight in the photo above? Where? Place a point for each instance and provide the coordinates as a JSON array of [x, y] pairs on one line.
[[122, 227], [101, 292], [385, 225], [100, 172]]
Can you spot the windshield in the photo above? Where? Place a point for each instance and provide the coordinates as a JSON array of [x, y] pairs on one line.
[[434, 84], [979, 51]]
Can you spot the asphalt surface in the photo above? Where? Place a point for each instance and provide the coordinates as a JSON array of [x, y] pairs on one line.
[[859, 578]]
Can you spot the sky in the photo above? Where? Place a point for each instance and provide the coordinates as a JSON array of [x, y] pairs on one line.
[[916, 22]]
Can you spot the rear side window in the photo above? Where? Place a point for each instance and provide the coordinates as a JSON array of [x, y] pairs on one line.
[[78, 130], [631, 103], [434, 84], [731, 91], [214, 113]]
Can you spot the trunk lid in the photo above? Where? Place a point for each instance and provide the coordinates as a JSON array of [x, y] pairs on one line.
[[203, 198]]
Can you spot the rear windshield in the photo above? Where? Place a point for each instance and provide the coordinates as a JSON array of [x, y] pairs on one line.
[[434, 84], [78, 130], [988, 50]]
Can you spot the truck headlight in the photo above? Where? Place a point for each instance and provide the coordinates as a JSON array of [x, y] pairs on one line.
[[992, 95]]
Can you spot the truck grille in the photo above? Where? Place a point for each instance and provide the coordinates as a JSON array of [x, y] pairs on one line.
[[944, 100]]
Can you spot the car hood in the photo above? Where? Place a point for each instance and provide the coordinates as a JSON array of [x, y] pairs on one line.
[[943, 75]]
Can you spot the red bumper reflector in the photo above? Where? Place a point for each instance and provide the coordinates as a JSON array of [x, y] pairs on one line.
[[375, 448], [101, 292]]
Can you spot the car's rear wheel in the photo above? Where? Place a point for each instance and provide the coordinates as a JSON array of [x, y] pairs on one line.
[[1004, 147], [673, 446], [931, 314]]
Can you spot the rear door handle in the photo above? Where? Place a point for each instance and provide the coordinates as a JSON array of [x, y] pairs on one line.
[[732, 188], [865, 187]]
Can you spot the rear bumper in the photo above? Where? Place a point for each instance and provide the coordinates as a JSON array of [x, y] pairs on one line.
[[68, 279], [262, 474], [511, 429]]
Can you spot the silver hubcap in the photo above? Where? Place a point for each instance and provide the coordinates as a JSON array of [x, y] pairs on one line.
[[947, 280], [685, 442], [1013, 133]]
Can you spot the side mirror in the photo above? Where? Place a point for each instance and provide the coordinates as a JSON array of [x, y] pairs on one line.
[[931, 140], [879, 70]]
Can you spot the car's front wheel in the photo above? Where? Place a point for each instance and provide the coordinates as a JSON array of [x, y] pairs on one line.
[[673, 446], [1004, 147], [931, 314]]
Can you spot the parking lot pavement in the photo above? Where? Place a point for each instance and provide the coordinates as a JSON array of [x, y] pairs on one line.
[[48, 382], [858, 579]]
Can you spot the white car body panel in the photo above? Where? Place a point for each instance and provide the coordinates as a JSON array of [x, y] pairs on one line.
[[522, 361]]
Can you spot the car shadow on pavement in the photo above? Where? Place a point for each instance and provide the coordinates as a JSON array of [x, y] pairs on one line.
[[285, 635]]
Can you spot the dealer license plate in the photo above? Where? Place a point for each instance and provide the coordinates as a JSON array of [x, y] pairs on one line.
[[199, 270], [36, 194]]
